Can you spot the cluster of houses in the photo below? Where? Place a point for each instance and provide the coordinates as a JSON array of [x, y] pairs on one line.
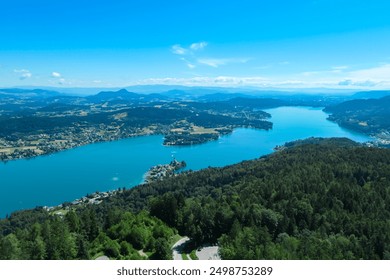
[[94, 198]]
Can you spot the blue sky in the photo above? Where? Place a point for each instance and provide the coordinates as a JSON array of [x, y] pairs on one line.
[[284, 44]]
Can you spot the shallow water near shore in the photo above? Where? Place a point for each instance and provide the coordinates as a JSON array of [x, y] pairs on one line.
[[65, 176]]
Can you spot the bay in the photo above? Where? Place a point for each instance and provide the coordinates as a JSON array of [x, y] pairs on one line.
[[65, 176]]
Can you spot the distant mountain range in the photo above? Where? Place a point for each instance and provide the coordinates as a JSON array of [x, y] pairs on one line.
[[28, 93], [371, 94], [40, 97], [197, 90]]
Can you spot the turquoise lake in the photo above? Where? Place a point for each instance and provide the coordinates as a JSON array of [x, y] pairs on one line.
[[65, 176]]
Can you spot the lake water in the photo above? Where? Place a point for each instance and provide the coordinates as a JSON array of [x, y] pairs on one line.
[[65, 176]]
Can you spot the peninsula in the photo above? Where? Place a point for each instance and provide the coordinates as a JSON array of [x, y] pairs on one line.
[[161, 171], [35, 126]]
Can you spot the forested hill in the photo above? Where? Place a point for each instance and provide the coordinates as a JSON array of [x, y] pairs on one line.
[[315, 199], [326, 199], [369, 116]]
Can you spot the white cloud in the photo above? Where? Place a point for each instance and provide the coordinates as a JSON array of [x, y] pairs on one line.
[[336, 77], [208, 81], [367, 83], [346, 83], [335, 70], [189, 52], [198, 46], [342, 67], [310, 73], [213, 62], [263, 67], [216, 62], [370, 77], [287, 82], [380, 73], [189, 64], [177, 49], [339, 69], [56, 75], [24, 73]]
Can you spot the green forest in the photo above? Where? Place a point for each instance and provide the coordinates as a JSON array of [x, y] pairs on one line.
[[370, 116], [313, 199]]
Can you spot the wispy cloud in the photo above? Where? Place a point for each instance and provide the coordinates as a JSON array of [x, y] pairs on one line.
[[177, 49], [213, 62], [58, 78], [378, 73], [208, 81], [189, 64], [198, 46], [367, 83], [188, 54], [24, 73], [335, 77], [263, 67], [339, 69], [229, 81], [190, 50], [315, 79], [332, 71], [56, 75], [342, 67], [348, 77], [369, 77], [216, 62]]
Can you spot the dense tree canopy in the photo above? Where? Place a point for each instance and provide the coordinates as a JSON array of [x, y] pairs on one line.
[[316, 199], [82, 235]]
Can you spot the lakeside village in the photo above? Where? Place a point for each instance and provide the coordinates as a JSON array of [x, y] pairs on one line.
[[28, 146], [44, 144], [94, 198], [162, 171], [382, 140], [155, 173]]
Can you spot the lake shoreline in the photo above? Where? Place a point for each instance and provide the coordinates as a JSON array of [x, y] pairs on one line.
[[70, 174]]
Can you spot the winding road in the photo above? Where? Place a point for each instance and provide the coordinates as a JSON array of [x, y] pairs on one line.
[[177, 248], [204, 253]]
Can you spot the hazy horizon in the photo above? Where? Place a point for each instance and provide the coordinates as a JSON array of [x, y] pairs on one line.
[[202, 90]]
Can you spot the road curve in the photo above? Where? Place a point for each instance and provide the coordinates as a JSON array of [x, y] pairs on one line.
[[177, 248]]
